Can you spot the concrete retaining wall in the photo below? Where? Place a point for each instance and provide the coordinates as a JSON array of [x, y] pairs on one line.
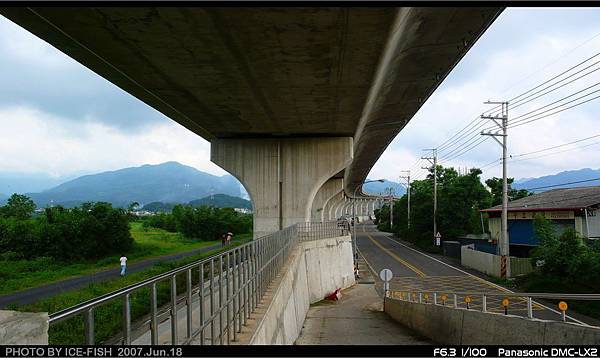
[[314, 270], [23, 328], [447, 325], [490, 264]]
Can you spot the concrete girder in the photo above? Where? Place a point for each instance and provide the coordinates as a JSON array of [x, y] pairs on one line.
[[271, 72], [324, 194], [282, 176], [417, 57]]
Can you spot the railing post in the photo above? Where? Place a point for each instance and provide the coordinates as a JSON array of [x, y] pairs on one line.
[[126, 320], [246, 301], [174, 340], [221, 299], [435, 298], [235, 294], [484, 303], [201, 294], [189, 303], [228, 283], [153, 319], [455, 301], [89, 327], [529, 307], [212, 301]]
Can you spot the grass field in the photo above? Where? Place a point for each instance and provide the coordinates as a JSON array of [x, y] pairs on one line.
[[149, 243], [108, 317]]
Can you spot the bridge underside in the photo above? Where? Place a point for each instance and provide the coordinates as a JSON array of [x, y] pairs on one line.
[[251, 80]]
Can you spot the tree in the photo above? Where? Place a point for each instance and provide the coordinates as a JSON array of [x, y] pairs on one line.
[[460, 197], [495, 184], [19, 206], [133, 206]]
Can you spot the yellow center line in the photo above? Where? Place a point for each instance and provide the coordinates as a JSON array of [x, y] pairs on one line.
[[397, 258]]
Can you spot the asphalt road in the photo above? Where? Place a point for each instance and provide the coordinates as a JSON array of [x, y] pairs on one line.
[[417, 271], [34, 294]]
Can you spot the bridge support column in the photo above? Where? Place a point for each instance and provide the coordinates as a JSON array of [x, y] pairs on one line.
[[339, 207], [282, 176], [325, 193], [332, 204]]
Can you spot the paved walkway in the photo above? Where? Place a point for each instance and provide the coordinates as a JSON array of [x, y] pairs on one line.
[[357, 318], [34, 294]]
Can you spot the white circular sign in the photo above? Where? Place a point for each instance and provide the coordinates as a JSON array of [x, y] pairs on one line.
[[385, 275]]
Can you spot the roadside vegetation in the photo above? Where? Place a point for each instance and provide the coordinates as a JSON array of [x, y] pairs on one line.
[[204, 223], [460, 197], [108, 317], [60, 243], [565, 263]]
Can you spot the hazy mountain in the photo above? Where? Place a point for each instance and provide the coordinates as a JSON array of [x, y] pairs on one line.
[[159, 207], [222, 201], [560, 178], [216, 200], [28, 183], [169, 182], [377, 188]]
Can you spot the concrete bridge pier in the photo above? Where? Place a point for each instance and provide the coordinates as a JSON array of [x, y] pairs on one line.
[[325, 193], [282, 176], [332, 205]]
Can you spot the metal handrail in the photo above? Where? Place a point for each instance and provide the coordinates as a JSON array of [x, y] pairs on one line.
[[421, 296], [242, 274], [566, 296]]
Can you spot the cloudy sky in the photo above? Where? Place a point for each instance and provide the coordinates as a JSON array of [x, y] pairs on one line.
[[57, 118]]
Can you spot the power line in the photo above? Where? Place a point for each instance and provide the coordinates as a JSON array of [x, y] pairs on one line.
[[559, 152], [468, 149], [551, 114], [551, 63], [513, 106], [522, 101], [554, 147], [514, 119], [561, 184], [555, 77]]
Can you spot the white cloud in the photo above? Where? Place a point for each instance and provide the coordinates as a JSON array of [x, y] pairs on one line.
[[498, 71], [34, 141]]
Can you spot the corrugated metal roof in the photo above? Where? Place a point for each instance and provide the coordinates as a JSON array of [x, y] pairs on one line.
[[569, 198]]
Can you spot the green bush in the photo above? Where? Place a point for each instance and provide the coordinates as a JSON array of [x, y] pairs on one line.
[[91, 231], [567, 256], [203, 223]]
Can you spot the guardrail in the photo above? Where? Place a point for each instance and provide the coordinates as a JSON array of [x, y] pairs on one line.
[[472, 300], [227, 287]]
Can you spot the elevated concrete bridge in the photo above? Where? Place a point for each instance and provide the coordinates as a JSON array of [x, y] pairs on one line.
[[298, 103]]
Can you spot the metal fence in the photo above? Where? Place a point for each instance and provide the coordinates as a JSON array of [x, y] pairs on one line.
[[503, 302], [220, 291]]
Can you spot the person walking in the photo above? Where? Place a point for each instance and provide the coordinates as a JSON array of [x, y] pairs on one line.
[[229, 236], [223, 240], [123, 260]]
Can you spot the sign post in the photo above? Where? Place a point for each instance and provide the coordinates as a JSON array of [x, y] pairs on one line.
[[438, 239], [386, 275]]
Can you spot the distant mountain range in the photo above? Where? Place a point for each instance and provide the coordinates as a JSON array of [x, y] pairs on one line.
[[560, 178], [377, 188], [11, 182], [217, 201], [170, 182]]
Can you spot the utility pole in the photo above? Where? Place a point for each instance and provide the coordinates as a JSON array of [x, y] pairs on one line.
[[391, 209], [433, 161], [407, 178], [502, 122]]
